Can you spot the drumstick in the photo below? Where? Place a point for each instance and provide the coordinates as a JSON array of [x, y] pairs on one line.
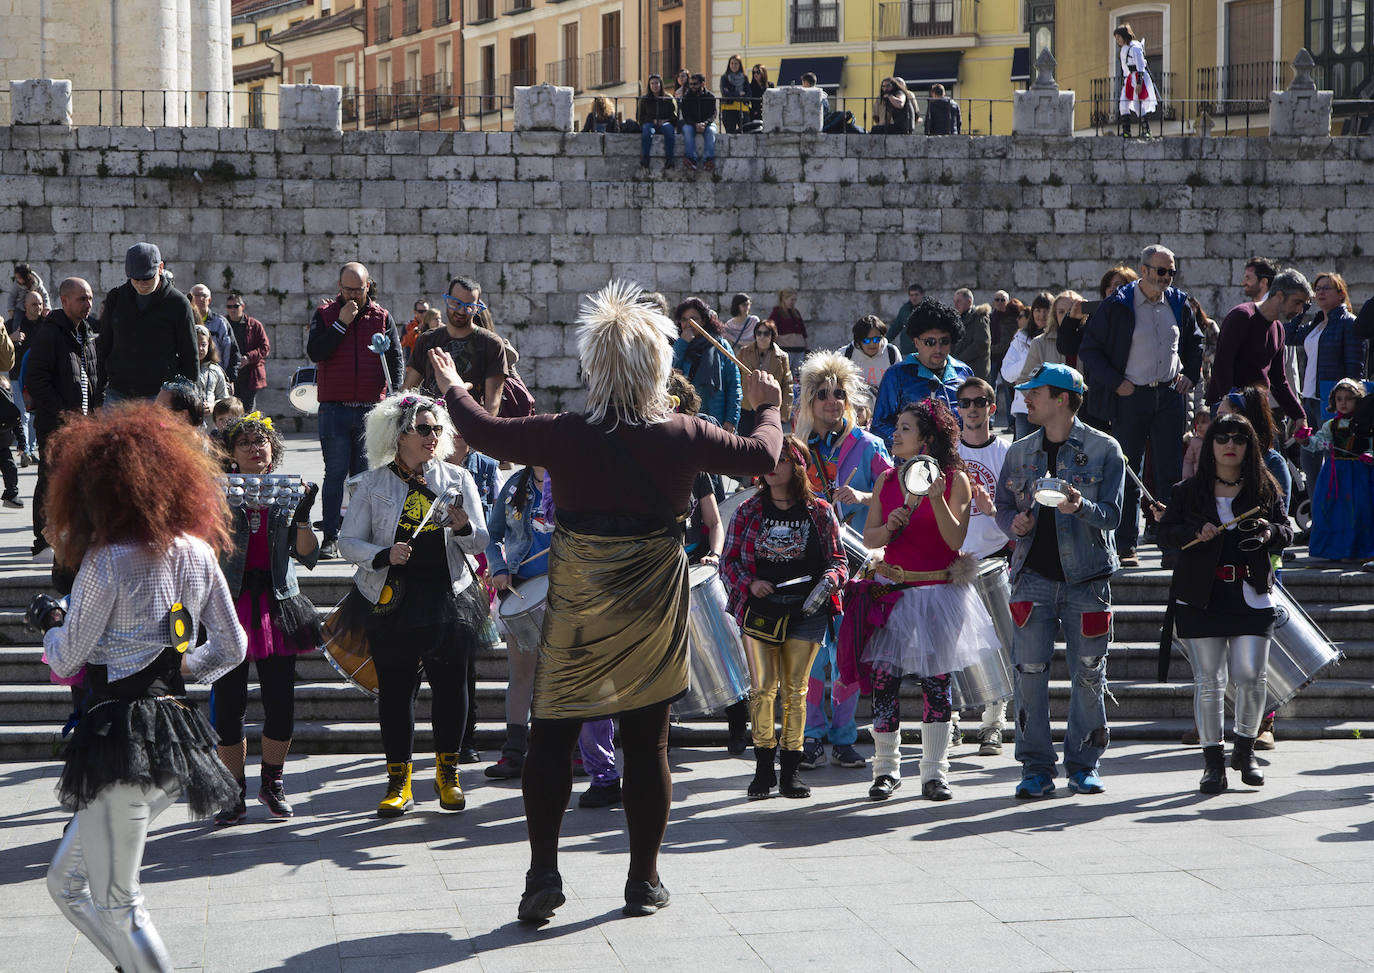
[[1144, 492], [1229, 523], [720, 347], [521, 565]]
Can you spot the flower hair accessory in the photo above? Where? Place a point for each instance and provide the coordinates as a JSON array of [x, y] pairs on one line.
[[258, 417]]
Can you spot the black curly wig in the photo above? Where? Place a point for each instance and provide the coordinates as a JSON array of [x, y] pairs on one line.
[[931, 315]]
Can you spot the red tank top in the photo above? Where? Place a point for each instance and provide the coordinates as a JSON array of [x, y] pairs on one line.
[[919, 547]]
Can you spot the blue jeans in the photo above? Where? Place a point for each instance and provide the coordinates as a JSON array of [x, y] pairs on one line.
[[341, 442], [646, 138], [1040, 605], [689, 141], [839, 725], [1156, 414]]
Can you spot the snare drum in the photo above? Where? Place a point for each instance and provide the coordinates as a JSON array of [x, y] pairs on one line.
[[989, 679], [522, 613], [304, 395], [719, 674], [346, 649]]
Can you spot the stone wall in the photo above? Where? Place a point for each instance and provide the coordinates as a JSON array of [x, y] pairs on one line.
[[541, 218]]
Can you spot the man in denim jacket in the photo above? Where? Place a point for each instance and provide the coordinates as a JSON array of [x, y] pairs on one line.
[[1064, 559]]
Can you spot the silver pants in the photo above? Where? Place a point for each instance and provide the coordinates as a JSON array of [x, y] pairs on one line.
[[1247, 659], [93, 877]]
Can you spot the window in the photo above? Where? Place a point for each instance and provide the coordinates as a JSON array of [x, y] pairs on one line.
[[413, 65], [264, 34], [443, 57], [383, 74], [304, 75], [670, 60], [521, 62], [238, 41]]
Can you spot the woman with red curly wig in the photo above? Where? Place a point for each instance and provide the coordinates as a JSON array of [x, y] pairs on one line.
[[134, 503]]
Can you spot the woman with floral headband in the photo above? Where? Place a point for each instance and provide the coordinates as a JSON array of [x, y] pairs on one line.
[[279, 621], [413, 526]]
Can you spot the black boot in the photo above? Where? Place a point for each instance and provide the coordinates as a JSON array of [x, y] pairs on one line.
[[1214, 771], [764, 778], [272, 794], [738, 716], [1243, 759], [543, 894], [235, 812], [791, 784]]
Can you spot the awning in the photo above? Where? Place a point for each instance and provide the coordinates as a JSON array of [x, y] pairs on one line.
[[254, 71], [826, 69], [922, 69], [1020, 64]]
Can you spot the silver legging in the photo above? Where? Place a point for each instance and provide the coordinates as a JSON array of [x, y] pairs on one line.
[[93, 877], [1247, 658]]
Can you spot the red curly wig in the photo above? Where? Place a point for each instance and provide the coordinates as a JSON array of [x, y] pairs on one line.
[[132, 473]]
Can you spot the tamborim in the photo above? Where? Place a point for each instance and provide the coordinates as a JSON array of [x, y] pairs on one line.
[[304, 395], [918, 473], [522, 613], [719, 675], [1050, 491]]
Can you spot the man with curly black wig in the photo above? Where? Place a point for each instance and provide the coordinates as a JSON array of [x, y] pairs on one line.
[[930, 371]]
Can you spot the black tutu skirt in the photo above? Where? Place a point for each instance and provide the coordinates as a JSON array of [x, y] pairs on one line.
[[148, 741]]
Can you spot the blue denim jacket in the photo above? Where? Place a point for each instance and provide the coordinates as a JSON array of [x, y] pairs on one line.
[[724, 403], [1090, 460], [281, 542], [512, 538]]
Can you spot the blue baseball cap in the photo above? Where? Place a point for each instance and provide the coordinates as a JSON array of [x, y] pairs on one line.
[[1056, 377]]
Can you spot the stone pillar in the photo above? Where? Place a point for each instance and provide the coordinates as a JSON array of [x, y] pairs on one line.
[[314, 106], [41, 102], [544, 108], [792, 109], [1044, 110], [1302, 109]]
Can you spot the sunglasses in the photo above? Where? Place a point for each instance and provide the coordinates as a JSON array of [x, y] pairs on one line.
[[1226, 438], [979, 403], [937, 342], [233, 307], [425, 429], [872, 341], [453, 304], [1164, 271], [839, 394]]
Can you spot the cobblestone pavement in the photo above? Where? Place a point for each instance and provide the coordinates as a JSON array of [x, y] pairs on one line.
[[1150, 875]]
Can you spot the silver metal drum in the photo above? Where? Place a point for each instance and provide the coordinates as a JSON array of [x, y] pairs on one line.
[[989, 680], [855, 553], [304, 394], [719, 674], [522, 613]]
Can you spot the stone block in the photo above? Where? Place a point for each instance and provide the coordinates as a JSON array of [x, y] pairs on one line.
[[543, 108], [1302, 110], [792, 109], [1040, 112], [41, 101], [310, 106]]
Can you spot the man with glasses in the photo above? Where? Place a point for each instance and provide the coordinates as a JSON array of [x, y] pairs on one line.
[[221, 334], [1142, 355], [254, 349], [479, 355], [929, 371], [148, 333], [698, 119], [356, 349], [1250, 348], [975, 348]]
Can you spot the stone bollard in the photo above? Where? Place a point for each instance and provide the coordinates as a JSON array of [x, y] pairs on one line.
[[314, 106], [1302, 109], [1044, 109], [544, 108], [41, 102], [792, 109]]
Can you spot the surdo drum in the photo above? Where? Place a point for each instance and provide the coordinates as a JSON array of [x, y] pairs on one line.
[[718, 672]]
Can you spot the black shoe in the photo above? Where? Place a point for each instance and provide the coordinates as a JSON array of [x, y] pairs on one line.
[[739, 742], [39, 546], [643, 899], [273, 796], [329, 550], [1214, 771], [1243, 759], [644, 162], [469, 755], [235, 812], [737, 714], [505, 769], [790, 783], [883, 786], [936, 790], [765, 779], [543, 894], [11, 499], [600, 795]]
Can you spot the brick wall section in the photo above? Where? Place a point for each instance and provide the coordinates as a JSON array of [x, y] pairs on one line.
[[541, 218]]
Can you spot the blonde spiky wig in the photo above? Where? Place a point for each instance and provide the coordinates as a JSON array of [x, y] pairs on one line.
[[821, 369], [396, 414], [625, 345]]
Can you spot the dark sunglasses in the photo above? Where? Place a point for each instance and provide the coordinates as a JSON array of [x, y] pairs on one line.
[[425, 429], [872, 341], [1164, 271], [1226, 438], [232, 306], [839, 394], [979, 403], [937, 342]]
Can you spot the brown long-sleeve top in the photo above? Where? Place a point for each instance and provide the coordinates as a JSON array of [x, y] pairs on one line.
[[588, 464]]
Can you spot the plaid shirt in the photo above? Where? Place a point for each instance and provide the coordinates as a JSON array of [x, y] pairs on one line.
[[737, 567]]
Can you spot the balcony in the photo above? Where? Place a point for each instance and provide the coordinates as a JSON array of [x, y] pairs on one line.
[[666, 64], [1232, 89], [383, 24], [814, 23], [405, 99], [1106, 94], [411, 17], [443, 12], [510, 7], [436, 92], [564, 73], [350, 104], [606, 67], [921, 18], [507, 83], [479, 12], [481, 98], [380, 107]]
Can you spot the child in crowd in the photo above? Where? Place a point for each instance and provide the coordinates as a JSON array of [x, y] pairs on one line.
[[1343, 498], [225, 411], [1192, 442]]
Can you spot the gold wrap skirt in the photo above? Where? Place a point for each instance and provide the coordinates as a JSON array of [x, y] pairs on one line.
[[615, 625]]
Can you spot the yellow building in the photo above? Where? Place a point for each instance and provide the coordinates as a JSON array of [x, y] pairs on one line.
[[257, 66], [1214, 61], [977, 50]]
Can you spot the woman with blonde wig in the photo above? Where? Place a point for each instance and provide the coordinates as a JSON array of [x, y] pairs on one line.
[[614, 639]]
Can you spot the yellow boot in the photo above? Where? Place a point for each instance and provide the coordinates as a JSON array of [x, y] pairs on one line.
[[446, 782], [398, 798]]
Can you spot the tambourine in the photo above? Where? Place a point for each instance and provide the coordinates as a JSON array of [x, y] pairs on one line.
[[917, 475], [265, 490], [1051, 491]]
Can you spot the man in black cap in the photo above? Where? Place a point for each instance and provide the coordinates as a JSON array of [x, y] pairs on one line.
[[148, 333]]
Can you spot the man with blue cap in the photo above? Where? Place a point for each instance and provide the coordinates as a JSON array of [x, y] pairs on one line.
[[148, 333], [1059, 498]]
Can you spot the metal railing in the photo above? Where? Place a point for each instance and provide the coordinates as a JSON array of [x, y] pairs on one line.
[[565, 73], [919, 18], [350, 105], [479, 12], [383, 23], [813, 22], [443, 12], [1234, 88], [606, 67], [410, 17], [507, 83], [436, 92], [1105, 96], [509, 7], [481, 97]]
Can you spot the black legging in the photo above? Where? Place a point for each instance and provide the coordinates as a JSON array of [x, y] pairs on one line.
[[277, 689], [646, 787], [398, 655]]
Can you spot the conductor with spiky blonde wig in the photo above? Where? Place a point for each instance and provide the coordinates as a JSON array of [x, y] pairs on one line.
[[615, 629]]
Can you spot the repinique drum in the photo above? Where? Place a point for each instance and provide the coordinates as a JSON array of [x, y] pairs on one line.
[[303, 394], [719, 675], [522, 613], [346, 649], [989, 680]]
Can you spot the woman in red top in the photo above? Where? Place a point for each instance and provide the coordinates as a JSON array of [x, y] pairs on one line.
[[791, 327], [937, 624]]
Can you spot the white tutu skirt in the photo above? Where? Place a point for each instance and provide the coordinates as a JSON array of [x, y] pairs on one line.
[[933, 629]]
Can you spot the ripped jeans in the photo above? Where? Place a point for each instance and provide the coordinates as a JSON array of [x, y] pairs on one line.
[[1039, 606]]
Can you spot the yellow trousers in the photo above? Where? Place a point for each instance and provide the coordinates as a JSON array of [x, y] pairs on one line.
[[772, 666]]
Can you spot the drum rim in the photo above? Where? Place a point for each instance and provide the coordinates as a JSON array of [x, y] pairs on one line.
[[334, 663], [521, 587]]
